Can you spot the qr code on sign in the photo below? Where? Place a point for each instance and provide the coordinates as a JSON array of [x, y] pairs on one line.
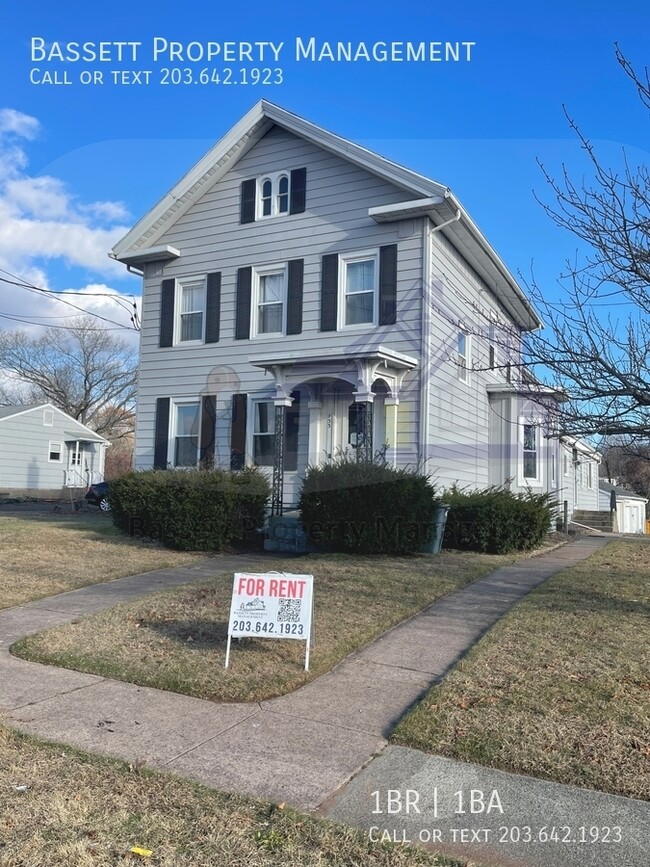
[[289, 610]]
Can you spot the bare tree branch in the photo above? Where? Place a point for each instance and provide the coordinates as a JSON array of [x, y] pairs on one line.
[[83, 370]]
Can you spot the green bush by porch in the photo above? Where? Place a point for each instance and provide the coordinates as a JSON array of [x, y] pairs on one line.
[[366, 507], [496, 521], [190, 510]]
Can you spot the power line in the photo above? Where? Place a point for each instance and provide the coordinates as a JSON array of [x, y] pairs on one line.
[[39, 290]]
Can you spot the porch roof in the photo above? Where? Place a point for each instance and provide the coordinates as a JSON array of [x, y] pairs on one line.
[[392, 358]]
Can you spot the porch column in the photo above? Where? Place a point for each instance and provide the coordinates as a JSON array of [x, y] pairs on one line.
[[277, 490], [315, 456], [364, 403], [391, 404]]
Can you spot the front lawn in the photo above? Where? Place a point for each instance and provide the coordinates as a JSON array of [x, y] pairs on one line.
[[45, 553], [560, 687], [176, 640], [63, 808]]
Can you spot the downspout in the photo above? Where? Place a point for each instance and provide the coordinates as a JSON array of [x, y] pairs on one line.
[[425, 352]]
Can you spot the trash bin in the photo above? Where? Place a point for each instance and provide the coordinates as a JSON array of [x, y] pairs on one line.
[[436, 532]]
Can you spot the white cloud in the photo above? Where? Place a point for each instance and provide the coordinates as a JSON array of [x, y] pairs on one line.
[[18, 123], [44, 224]]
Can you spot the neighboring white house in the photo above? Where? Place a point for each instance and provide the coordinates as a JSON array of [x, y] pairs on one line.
[[628, 509], [44, 451], [304, 296]]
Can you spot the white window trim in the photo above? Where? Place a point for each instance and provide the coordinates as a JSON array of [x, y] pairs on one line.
[[274, 177], [464, 370], [344, 260], [566, 464], [263, 271], [536, 482], [178, 303], [171, 435], [58, 460], [250, 429]]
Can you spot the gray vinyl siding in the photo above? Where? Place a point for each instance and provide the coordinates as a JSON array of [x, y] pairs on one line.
[[24, 452], [211, 238], [460, 418]]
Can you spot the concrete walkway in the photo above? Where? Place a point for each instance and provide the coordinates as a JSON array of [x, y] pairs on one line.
[[305, 747]]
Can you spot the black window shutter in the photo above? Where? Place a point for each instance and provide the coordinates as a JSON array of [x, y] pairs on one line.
[[295, 277], [238, 431], [388, 284], [161, 434], [329, 292], [167, 312], [208, 416], [248, 189], [298, 191], [213, 307], [291, 430], [243, 311]]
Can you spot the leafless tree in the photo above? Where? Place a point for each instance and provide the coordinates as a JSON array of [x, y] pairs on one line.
[[601, 361], [83, 369]]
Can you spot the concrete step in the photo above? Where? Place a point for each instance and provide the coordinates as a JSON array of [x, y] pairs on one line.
[[598, 520]]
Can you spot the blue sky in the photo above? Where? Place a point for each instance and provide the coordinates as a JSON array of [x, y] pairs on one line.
[[79, 163]]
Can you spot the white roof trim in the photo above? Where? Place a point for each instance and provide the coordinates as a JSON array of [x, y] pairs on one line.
[[229, 149], [151, 254], [397, 359]]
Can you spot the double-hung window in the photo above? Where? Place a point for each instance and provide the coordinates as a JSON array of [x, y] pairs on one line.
[[185, 434], [269, 311], [359, 289], [55, 451], [190, 314], [464, 359], [530, 453], [264, 433]]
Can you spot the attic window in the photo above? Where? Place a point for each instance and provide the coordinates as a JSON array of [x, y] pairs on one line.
[[48, 418], [273, 195]]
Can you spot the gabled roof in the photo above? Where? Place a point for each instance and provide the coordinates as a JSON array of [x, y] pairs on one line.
[[89, 435], [619, 491], [8, 411], [423, 197]]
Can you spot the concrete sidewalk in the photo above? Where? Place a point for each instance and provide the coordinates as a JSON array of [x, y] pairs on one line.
[[302, 748]]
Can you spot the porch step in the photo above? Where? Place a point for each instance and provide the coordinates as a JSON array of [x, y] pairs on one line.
[[597, 520], [286, 533]]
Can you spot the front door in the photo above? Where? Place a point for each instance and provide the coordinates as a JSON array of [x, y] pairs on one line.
[[335, 424], [76, 477]]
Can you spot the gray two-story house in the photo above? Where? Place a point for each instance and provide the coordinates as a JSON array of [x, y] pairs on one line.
[[304, 296]]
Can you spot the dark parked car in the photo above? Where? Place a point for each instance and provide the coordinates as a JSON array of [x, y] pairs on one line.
[[98, 496]]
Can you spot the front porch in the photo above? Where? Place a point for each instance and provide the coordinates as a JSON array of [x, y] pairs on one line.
[[322, 407]]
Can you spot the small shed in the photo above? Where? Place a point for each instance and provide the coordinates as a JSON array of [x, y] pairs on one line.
[[44, 452], [628, 508]]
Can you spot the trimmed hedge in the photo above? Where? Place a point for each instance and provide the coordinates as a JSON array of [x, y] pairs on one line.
[[497, 521], [190, 510], [366, 507]]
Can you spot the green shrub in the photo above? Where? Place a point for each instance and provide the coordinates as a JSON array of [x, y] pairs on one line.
[[496, 520], [191, 510], [366, 507]]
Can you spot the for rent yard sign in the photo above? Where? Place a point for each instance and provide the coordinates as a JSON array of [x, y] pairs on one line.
[[271, 605]]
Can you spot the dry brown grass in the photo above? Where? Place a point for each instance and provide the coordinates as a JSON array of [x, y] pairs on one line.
[[176, 640], [44, 553], [560, 687], [81, 811]]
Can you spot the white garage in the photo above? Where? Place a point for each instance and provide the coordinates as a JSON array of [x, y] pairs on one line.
[[629, 509]]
